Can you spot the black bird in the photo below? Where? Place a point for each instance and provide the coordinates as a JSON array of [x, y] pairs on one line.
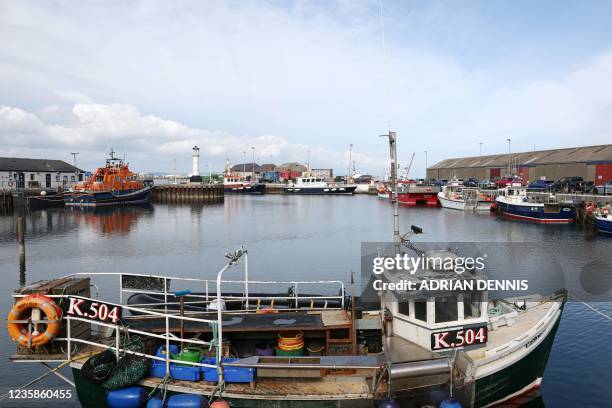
[[416, 230]]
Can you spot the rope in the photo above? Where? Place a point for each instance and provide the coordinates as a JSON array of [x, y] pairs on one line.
[[599, 312]]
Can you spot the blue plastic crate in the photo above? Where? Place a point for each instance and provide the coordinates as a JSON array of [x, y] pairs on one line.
[[178, 372], [230, 374]]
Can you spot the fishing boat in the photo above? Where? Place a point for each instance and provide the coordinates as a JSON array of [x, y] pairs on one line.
[[308, 184], [603, 220], [514, 202], [237, 184], [113, 184], [38, 200], [412, 193], [451, 196]]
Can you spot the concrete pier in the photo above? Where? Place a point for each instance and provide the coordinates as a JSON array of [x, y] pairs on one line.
[[190, 192]]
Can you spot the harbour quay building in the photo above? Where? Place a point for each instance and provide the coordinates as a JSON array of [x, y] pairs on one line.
[[592, 163], [23, 173]]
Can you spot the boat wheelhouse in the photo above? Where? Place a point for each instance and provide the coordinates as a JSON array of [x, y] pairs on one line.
[[517, 203], [308, 184], [495, 349], [113, 184]]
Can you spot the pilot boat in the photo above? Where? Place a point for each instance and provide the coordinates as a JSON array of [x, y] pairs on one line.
[[514, 202], [113, 184], [308, 184]]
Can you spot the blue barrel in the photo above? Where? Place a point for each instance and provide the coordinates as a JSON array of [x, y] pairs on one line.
[[155, 402], [187, 401], [131, 397], [388, 403], [450, 403]]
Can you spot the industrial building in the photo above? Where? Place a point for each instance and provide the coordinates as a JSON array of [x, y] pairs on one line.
[[18, 172], [592, 163]]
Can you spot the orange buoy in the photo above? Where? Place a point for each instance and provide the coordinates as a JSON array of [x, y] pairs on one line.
[[19, 332], [220, 404]]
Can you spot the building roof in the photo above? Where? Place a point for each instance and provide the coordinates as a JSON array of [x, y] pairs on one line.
[[37, 165], [247, 167], [267, 167], [586, 154], [293, 166]]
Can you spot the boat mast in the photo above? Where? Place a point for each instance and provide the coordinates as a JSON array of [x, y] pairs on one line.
[[393, 154]]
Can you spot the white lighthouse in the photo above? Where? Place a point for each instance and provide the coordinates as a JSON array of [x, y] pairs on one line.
[[195, 171], [196, 161]]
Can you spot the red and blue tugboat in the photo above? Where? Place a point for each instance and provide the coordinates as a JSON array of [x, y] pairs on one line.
[[113, 184], [514, 203]]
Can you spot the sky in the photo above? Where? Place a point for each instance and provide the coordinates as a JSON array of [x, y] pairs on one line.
[[151, 79]]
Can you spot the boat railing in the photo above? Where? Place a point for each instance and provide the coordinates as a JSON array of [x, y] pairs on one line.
[[120, 330], [251, 302]]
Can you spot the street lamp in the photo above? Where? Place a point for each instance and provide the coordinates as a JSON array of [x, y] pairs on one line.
[[253, 165], [480, 149], [425, 163], [243, 163], [509, 158]]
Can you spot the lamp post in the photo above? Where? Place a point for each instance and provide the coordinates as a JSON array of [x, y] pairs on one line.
[[425, 163], [243, 163], [479, 148], [253, 165], [509, 159]]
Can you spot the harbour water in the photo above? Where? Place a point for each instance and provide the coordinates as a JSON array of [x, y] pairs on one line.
[[288, 237]]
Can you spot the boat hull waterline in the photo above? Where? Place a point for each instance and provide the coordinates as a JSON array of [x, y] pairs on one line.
[[102, 198]]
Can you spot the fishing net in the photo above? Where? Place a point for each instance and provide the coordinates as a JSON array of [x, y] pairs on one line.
[[98, 367], [130, 368]]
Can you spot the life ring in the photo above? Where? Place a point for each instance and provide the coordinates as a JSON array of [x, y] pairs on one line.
[[10, 184], [19, 331]]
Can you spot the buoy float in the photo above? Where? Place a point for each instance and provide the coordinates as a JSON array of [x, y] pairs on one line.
[[388, 403], [19, 331], [450, 403], [130, 397], [155, 402], [187, 401], [220, 404]]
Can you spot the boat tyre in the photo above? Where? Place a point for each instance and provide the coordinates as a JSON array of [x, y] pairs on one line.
[[19, 332]]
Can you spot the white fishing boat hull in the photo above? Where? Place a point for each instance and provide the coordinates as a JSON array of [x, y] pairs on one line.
[[449, 203]]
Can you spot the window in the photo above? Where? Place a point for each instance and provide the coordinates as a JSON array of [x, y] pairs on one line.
[[420, 310], [446, 309], [80, 176], [72, 178], [32, 176], [57, 177], [404, 308], [471, 305]]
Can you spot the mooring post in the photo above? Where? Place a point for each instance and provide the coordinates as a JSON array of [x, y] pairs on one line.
[[21, 240]]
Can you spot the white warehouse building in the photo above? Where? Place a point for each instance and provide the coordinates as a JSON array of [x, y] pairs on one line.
[[18, 173]]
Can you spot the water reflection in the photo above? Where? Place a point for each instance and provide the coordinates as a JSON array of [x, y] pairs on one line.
[[110, 220]]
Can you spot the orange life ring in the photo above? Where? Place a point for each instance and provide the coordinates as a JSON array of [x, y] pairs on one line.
[[19, 332]]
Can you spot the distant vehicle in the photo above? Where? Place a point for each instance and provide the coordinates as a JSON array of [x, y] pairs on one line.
[[440, 183], [541, 185], [470, 182], [574, 184], [508, 181], [603, 189], [490, 183]]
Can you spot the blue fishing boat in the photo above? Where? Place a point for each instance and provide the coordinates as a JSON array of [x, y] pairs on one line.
[[513, 202], [603, 222]]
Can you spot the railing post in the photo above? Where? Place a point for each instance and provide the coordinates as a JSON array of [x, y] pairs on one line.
[[68, 334], [295, 293], [168, 345], [121, 288], [246, 279], [117, 341], [166, 296]]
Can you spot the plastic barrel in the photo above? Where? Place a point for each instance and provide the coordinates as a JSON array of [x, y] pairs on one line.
[[155, 402], [131, 397], [450, 403]]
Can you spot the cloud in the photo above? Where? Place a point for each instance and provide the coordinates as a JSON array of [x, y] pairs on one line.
[[149, 141], [153, 78]]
